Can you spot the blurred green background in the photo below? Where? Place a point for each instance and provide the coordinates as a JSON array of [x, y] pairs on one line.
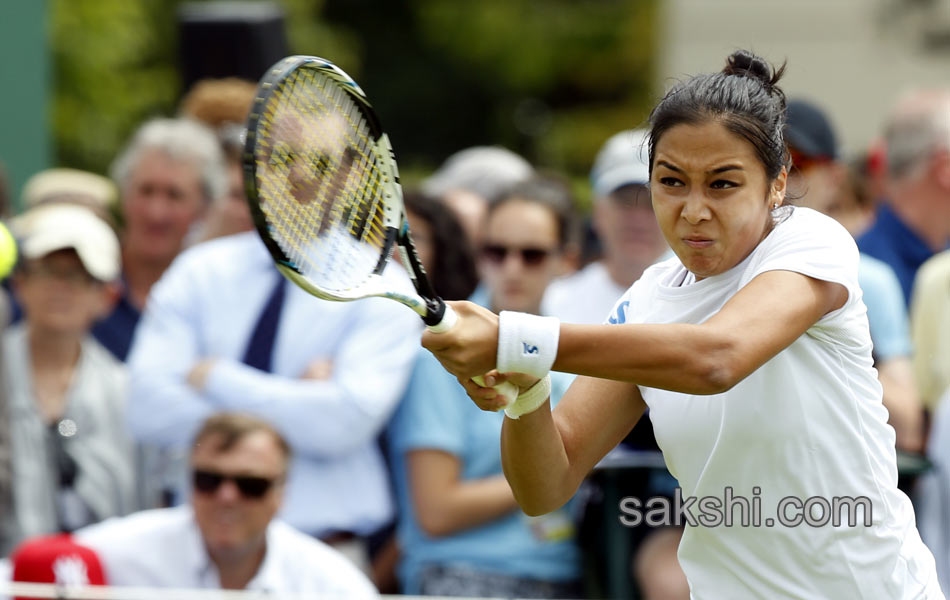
[[549, 79]]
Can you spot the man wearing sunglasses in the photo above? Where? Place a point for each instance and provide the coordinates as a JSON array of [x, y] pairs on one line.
[[226, 537]]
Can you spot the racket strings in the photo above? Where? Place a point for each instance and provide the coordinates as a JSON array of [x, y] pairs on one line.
[[319, 180], [361, 150]]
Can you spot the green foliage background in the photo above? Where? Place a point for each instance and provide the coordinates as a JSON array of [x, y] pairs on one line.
[[550, 79]]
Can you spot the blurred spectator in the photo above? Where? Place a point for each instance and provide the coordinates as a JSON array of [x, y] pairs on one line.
[[819, 180], [226, 538], [450, 267], [656, 570], [913, 223], [931, 503], [65, 393], [930, 327], [169, 173], [930, 321], [63, 186], [223, 330], [439, 242], [855, 205], [626, 227], [461, 530], [223, 105], [471, 178]]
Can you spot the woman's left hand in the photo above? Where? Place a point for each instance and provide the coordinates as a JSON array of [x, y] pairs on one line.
[[487, 398]]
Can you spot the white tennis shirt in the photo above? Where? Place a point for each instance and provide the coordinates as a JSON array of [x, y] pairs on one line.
[[808, 423]]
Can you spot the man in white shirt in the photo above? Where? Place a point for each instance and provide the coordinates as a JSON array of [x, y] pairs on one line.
[[330, 382], [626, 228], [226, 538]]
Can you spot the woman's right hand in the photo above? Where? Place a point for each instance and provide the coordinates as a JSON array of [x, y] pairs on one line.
[[470, 347]]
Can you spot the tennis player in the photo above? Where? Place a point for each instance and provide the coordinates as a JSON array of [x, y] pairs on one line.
[[751, 349]]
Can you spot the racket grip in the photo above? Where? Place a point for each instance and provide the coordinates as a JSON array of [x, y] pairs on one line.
[[449, 319]]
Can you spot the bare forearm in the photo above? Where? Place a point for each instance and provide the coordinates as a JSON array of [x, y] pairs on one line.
[[535, 462], [693, 359], [547, 454], [444, 502], [469, 504]]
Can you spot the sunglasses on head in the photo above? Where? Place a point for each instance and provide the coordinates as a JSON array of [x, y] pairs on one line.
[[531, 257], [208, 482]]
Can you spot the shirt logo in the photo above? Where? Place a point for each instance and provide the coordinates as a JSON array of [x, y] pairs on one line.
[[70, 571], [528, 349], [621, 316]]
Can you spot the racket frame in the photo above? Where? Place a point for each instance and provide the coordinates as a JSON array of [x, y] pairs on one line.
[[425, 302]]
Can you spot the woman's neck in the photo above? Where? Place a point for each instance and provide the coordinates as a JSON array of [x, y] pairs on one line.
[[53, 359]]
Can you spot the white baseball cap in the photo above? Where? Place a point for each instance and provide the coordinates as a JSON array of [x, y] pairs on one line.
[[58, 226], [622, 160], [485, 170]]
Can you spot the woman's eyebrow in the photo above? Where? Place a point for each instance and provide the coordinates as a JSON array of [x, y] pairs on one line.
[[725, 168], [722, 169]]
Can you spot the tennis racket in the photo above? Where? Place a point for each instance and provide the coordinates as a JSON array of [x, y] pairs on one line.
[[323, 188]]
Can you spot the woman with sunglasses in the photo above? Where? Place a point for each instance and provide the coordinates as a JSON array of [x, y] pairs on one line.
[[460, 529], [751, 349]]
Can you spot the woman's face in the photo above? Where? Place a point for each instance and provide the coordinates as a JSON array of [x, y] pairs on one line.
[[711, 196], [520, 255]]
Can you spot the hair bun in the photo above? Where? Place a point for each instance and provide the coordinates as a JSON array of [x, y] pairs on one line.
[[745, 64]]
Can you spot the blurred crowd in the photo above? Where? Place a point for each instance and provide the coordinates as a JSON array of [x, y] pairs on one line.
[[164, 387]]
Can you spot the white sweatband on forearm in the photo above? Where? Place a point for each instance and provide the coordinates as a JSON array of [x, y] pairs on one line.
[[530, 400], [527, 343]]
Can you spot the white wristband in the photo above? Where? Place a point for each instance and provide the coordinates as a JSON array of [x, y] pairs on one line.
[[530, 400], [527, 343]]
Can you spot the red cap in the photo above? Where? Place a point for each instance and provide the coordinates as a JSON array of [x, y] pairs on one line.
[[56, 559]]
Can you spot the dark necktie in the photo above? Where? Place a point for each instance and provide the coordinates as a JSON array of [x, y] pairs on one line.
[[260, 346]]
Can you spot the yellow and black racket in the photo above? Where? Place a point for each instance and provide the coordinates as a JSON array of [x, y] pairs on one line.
[[323, 187]]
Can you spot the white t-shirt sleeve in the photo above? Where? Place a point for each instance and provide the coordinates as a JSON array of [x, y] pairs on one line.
[[812, 244]]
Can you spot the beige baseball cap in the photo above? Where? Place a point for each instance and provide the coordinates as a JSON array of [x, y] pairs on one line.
[[70, 186], [58, 226]]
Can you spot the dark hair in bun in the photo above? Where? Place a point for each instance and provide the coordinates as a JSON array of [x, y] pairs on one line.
[[744, 97]]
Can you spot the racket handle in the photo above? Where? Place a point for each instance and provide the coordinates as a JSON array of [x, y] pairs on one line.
[[449, 319]]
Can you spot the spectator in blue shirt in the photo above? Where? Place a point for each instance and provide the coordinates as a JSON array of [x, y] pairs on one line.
[[914, 222], [461, 531]]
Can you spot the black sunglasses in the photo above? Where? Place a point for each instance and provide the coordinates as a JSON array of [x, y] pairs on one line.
[[208, 482], [531, 257]]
